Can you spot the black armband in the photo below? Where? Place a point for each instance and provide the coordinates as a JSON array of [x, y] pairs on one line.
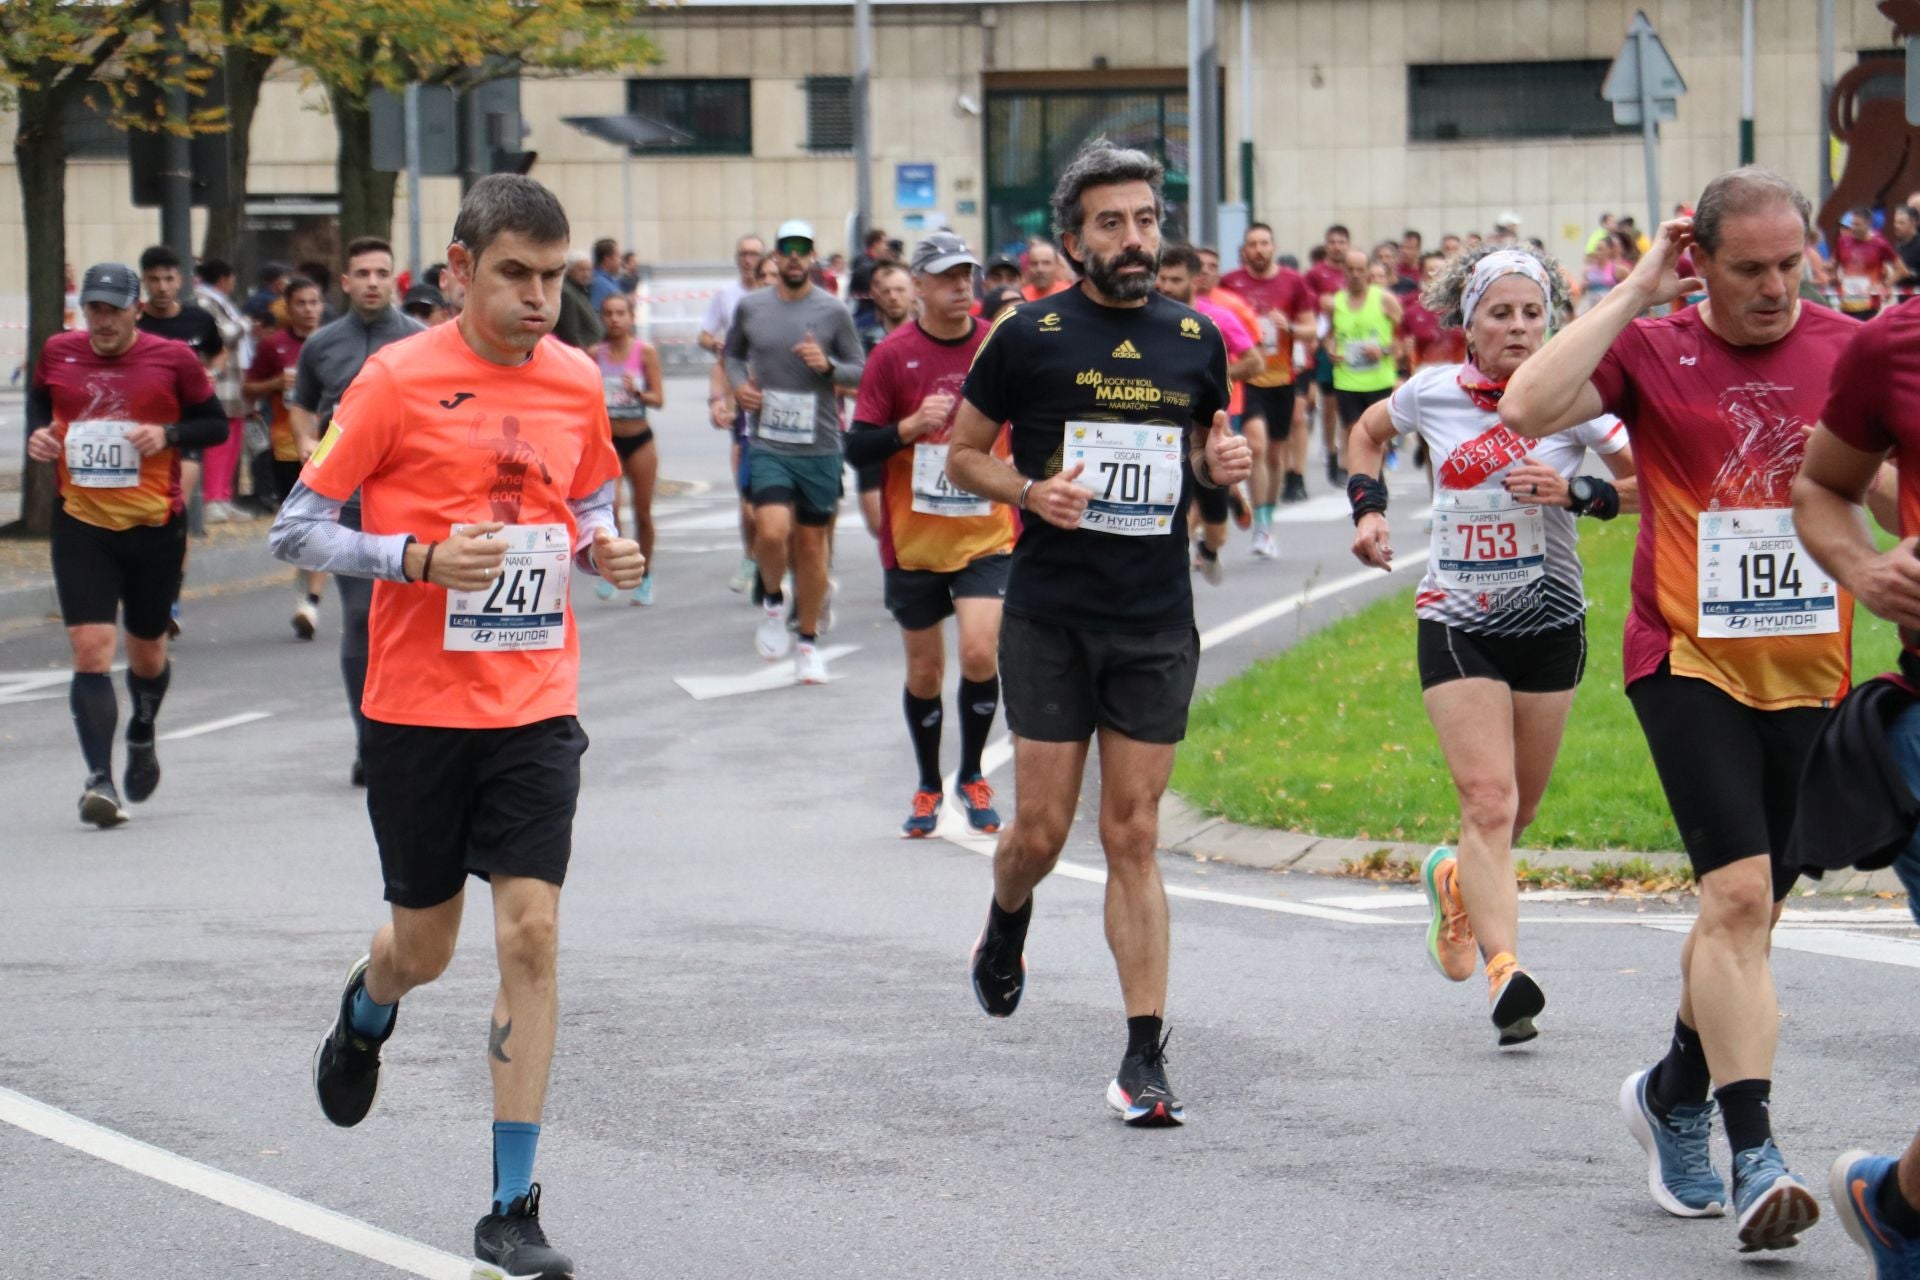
[[1592, 496], [1366, 494]]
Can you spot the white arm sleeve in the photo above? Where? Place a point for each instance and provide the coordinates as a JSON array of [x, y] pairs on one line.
[[308, 535]]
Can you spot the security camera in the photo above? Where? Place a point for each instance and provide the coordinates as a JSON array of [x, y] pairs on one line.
[[966, 105]]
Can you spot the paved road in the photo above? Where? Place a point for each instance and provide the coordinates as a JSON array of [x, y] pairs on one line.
[[770, 1064]]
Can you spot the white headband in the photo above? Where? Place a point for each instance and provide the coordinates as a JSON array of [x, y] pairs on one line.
[[1505, 262]]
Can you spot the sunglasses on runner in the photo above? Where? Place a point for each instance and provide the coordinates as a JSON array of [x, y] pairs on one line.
[[794, 247]]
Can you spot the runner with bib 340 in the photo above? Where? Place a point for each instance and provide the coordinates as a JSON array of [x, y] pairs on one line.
[[1113, 393], [1736, 645]]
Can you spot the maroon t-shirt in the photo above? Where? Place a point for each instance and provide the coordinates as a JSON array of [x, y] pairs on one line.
[[1861, 266], [1323, 279], [1432, 344], [1874, 405], [1716, 427], [1285, 292]]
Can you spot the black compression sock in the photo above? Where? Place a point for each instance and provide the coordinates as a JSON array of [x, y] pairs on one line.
[[1208, 553], [979, 700], [1143, 1033], [313, 599], [1011, 925], [96, 712], [774, 598], [1894, 1209], [147, 693], [924, 716], [808, 637], [1743, 1105], [1681, 1078]]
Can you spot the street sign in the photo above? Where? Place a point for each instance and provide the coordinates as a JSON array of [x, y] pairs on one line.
[[439, 130], [1648, 61]]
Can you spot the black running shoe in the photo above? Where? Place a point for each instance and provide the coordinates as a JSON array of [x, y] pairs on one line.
[[346, 1066], [358, 775], [1517, 1001], [511, 1245], [1141, 1094], [999, 970], [100, 803], [143, 769], [1295, 489]]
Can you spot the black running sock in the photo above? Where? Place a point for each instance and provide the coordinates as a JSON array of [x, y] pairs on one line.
[[924, 716], [313, 599], [1743, 1105], [1893, 1208], [1208, 553], [1010, 925], [808, 637], [147, 693], [1143, 1034], [1681, 1078], [979, 699], [96, 712]]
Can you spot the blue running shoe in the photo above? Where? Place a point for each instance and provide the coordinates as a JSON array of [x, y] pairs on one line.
[[925, 816], [1679, 1168], [976, 797], [1855, 1185], [1774, 1205], [603, 589], [643, 594]]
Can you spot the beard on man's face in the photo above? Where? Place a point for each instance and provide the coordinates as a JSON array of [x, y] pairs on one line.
[[1107, 278]]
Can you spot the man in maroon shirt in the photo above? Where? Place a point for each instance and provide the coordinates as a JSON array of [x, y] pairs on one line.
[[1279, 297], [1736, 645], [1861, 259]]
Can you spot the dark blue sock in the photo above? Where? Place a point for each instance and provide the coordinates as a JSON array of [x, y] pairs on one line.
[[367, 1017], [514, 1145], [95, 713]]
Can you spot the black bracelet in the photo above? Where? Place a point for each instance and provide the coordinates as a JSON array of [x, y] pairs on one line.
[[426, 570], [403, 559], [1367, 495]]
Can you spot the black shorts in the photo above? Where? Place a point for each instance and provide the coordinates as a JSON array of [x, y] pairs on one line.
[[1275, 404], [449, 803], [922, 598], [1354, 403], [1212, 504], [97, 572], [627, 446], [1059, 684], [871, 477], [1731, 772], [1544, 662], [285, 476]]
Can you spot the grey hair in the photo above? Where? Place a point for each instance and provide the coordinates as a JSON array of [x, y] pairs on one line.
[[1444, 295], [1100, 164], [578, 257], [1745, 190], [503, 202]]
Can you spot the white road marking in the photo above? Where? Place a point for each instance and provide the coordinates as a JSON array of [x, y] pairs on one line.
[[1904, 952], [215, 726], [777, 674], [249, 1197], [1233, 628], [38, 686], [1379, 900], [723, 518]]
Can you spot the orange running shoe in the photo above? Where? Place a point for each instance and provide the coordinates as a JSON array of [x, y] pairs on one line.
[[1449, 935]]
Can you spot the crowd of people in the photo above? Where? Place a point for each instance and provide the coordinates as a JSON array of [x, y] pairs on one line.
[[1048, 449]]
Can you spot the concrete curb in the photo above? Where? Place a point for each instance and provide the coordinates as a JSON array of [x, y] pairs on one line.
[[1185, 829], [208, 567]]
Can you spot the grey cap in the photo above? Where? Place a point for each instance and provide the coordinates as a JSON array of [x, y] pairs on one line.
[[113, 283], [942, 251], [424, 295]]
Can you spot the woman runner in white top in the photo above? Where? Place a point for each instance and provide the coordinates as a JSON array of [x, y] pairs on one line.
[[1502, 637], [630, 371]]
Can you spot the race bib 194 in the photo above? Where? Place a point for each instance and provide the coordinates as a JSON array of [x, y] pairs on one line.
[[1134, 472], [1484, 539], [99, 455], [1756, 579], [934, 494], [526, 607], [787, 417]]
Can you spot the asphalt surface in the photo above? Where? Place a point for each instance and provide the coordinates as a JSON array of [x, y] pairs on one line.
[[770, 1063]]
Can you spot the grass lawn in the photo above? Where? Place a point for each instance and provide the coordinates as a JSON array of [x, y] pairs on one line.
[[1331, 737]]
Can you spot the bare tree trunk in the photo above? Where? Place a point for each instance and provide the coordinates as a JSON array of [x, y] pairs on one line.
[[366, 197], [40, 151], [245, 71]]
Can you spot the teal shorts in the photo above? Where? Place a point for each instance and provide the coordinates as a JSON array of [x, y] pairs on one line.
[[809, 483]]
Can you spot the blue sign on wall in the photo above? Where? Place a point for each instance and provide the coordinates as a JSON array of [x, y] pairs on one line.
[[913, 186]]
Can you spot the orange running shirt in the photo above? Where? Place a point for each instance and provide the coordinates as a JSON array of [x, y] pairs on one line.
[[151, 383], [1717, 427], [1229, 301], [905, 368], [433, 436]]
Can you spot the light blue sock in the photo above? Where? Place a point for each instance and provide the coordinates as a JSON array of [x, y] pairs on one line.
[[513, 1147], [366, 1017], [1263, 515]]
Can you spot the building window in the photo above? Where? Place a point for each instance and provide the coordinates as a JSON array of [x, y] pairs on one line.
[[829, 113], [90, 133], [717, 113], [1460, 102]]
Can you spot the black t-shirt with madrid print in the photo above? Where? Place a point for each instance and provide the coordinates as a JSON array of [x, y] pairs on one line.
[[1067, 359]]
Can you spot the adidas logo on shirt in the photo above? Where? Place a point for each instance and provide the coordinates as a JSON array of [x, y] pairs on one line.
[[1126, 351]]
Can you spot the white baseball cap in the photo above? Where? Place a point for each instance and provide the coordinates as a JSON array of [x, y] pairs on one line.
[[793, 229]]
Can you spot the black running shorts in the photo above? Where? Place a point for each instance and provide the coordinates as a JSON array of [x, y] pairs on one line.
[[1059, 684], [627, 446], [98, 571], [449, 803], [1731, 772], [1354, 403], [922, 598], [1544, 662], [1275, 404]]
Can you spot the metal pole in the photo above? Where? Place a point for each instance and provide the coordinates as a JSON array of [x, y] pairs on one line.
[[1826, 96], [1649, 126], [1203, 123], [1746, 81], [411, 106], [176, 172], [626, 196], [862, 126], [1246, 107]]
